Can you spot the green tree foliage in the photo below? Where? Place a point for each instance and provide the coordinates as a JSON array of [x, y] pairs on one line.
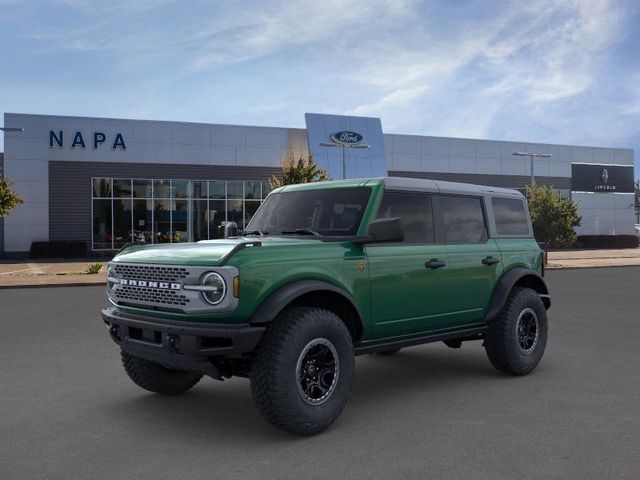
[[8, 198], [299, 171], [553, 216]]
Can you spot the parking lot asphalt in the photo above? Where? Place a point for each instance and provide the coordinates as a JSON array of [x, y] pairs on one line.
[[68, 411]]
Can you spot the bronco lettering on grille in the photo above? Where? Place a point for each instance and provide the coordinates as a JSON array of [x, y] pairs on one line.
[[150, 284]]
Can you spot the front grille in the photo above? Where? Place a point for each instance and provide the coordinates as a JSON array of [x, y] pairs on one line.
[[151, 272], [150, 295]]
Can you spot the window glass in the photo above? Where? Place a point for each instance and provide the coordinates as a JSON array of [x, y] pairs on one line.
[[122, 232], [217, 215], [217, 189], [463, 219], [141, 188], [414, 209], [161, 188], [102, 187], [180, 188], [198, 217], [266, 188], [102, 225], [162, 221], [510, 215], [179, 221], [142, 221], [252, 190], [199, 189], [235, 212], [122, 187], [234, 189], [328, 211]]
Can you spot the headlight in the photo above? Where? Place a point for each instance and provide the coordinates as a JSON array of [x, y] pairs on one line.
[[215, 288]]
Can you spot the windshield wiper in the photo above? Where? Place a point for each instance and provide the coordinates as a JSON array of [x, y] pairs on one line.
[[255, 232], [301, 231]]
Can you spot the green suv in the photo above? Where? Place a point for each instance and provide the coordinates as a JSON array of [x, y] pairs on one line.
[[324, 272]]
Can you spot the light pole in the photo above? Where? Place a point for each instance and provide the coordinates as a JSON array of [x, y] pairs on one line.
[[11, 129], [344, 153], [531, 156]]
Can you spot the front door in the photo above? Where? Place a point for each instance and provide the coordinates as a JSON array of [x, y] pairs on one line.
[[409, 285]]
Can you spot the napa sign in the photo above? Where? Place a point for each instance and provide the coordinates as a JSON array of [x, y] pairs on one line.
[[98, 139]]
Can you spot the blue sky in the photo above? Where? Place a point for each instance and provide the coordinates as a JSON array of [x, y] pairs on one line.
[[541, 71]]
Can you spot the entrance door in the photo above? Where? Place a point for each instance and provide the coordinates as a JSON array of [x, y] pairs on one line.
[[409, 285]]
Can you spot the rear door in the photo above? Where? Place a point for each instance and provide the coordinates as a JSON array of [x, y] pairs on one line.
[[407, 296], [474, 264]]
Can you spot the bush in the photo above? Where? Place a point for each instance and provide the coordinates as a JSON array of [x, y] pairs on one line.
[[554, 217], [608, 241], [94, 268]]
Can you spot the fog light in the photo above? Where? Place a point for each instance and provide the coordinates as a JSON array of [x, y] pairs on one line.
[[216, 288]]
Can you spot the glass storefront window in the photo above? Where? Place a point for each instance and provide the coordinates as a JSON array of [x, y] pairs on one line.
[[102, 188], [122, 187], [162, 189], [180, 188], [252, 190], [142, 188], [199, 190], [162, 221], [143, 221], [198, 221], [179, 221], [122, 231], [235, 190], [217, 189], [167, 211], [217, 215], [235, 212], [102, 225], [266, 188]]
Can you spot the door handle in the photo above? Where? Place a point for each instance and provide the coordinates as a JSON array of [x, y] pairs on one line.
[[435, 263], [490, 261]]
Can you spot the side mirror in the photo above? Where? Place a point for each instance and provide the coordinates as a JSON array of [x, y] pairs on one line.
[[385, 230], [230, 229]]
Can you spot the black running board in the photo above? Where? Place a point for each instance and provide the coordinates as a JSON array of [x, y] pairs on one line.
[[474, 333]]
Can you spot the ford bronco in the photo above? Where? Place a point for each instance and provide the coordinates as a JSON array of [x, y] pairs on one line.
[[324, 272]]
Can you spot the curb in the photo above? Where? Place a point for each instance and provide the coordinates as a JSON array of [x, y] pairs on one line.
[[52, 285]]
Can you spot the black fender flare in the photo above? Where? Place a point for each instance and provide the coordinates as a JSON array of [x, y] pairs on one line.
[[524, 276], [278, 300]]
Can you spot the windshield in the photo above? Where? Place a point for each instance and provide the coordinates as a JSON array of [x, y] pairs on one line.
[[328, 212]]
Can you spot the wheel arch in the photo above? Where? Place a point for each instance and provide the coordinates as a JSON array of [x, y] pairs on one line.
[[517, 277], [312, 293]]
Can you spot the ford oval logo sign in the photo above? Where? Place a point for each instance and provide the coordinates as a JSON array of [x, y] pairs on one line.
[[346, 137]]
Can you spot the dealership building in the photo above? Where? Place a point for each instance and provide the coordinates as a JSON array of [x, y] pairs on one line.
[[105, 181]]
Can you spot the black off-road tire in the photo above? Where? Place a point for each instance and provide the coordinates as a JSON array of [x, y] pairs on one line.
[[386, 353], [509, 352], [276, 384], [156, 378]]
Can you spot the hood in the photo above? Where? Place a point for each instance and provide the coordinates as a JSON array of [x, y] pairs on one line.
[[206, 252]]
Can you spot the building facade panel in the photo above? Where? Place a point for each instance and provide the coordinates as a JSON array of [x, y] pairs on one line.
[[53, 160]]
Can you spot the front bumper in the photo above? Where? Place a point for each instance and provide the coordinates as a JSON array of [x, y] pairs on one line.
[[182, 345]]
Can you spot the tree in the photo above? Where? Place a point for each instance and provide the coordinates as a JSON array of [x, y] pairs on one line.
[[299, 171], [8, 198], [553, 216]]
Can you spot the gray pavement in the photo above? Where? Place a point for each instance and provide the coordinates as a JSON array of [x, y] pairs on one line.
[[67, 410]]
